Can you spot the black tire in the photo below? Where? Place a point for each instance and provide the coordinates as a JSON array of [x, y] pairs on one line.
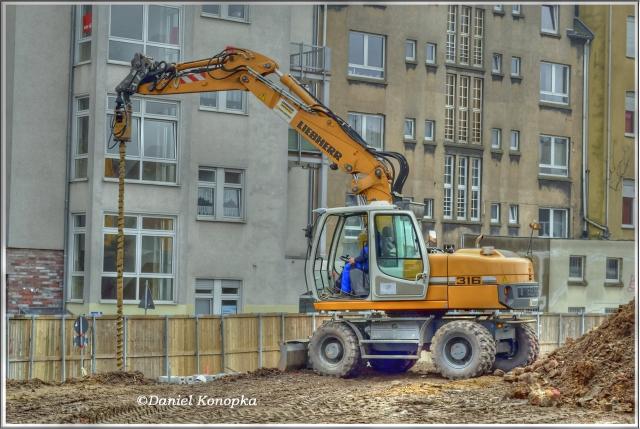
[[334, 351], [392, 366], [527, 350], [462, 349]]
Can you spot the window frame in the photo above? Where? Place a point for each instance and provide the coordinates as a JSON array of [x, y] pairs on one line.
[[518, 62], [516, 10], [412, 123], [498, 56], [552, 156], [498, 8], [451, 35], [496, 143], [516, 134], [79, 39], [552, 214], [366, 58], [221, 100], [553, 92], [226, 16], [428, 208], [582, 260], [435, 53], [414, 56], [478, 37], [363, 117], [618, 279], [494, 220], [219, 186], [432, 136], [71, 272], [514, 209], [630, 50], [555, 15], [629, 195], [448, 179], [630, 100], [76, 137]]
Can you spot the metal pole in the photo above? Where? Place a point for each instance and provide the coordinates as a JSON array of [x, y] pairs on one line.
[[282, 327], [120, 258], [63, 347], [6, 362], [313, 322], [538, 325], [124, 340], [32, 341], [93, 344], [166, 345], [559, 329], [259, 341], [197, 346], [222, 343], [582, 323]]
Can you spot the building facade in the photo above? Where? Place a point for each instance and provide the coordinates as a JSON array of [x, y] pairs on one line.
[[211, 198]]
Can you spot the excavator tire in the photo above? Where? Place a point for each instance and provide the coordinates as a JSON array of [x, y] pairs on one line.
[[392, 366], [528, 349], [334, 351], [463, 349]]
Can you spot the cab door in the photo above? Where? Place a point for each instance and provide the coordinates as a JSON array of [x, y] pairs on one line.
[[398, 263]]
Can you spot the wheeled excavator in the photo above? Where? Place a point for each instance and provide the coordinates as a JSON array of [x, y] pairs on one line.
[[463, 307]]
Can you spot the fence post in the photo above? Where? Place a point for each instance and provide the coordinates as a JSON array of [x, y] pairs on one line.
[[222, 357], [197, 346], [93, 344], [63, 351], [8, 346], [582, 323], [166, 345], [313, 322], [282, 328], [559, 329], [32, 341], [124, 340], [538, 325], [259, 341]]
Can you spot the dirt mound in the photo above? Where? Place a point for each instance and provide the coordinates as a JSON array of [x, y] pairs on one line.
[[595, 371], [27, 384], [114, 378]]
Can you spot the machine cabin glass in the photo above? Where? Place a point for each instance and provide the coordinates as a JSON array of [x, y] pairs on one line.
[[398, 247]]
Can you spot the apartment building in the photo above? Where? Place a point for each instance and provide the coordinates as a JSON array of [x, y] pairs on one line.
[[485, 102], [210, 180]]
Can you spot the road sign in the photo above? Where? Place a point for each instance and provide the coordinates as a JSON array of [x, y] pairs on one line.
[[81, 325], [80, 341]]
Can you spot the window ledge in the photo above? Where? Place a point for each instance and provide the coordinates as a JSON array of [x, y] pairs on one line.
[[517, 16], [496, 151], [548, 34], [627, 227], [82, 63], [513, 225], [239, 21], [462, 222], [75, 301], [411, 62], [497, 75], [381, 82], [515, 78], [409, 140], [613, 284], [472, 146], [631, 136], [429, 143], [135, 302], [428, 220], [495, 224], [514, 152], [79, 180], [498, 12], [554, 178], [205, 219], [229, 112], [549, 105], [141, 182], [465, 67], [577, 283], [432, 65]]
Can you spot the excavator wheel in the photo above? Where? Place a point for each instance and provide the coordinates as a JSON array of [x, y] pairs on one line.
[[527, 350], [334, 350], [463, 349], [392, 366]]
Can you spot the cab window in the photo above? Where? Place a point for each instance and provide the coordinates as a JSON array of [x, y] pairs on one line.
[[398, 247]]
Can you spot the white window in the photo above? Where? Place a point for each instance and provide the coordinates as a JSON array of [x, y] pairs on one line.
[[449, 106], [576, 310], [496, 63], [576, 268], [495, 212], [77, 257], [465, 24], [429, 130], [513, 214], [498, 8], [515, 66], [496, 138], [628, 203], [428, 208], [613, 269], [631, 43], [448, 187], [474, 213], [554, 83], [478, 31], [234, 101], [84, 27], [549, 19], [516, 10], [298, 144], [450, 45], [610, 310], [409, 129], [366, 55], [430, 53], [232, 12], [216, 296], [476, 111], [220, 194], [554, 156], [370, 128], [629, 113], [410, 50], [553, 223], [461, 213], [149, 257], [515, 140], [152, 152], [81, 139], [463, 109], [154, 30]]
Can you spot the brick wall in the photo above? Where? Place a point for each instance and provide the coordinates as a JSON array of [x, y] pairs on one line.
[[34, 278]]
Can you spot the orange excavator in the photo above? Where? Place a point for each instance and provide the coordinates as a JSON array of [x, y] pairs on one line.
[[396, 298]]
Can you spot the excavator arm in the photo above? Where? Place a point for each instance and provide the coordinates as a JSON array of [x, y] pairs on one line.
[[374, 175]]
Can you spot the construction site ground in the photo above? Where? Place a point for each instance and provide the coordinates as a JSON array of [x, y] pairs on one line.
[[419, 396]]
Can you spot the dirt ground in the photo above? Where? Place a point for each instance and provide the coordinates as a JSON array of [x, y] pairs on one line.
[[419, 396]]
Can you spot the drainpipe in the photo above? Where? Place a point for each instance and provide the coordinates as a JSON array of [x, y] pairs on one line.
[[67, 175], [606, 207]]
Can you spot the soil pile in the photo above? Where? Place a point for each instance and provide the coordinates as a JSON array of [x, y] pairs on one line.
[[595, 371]]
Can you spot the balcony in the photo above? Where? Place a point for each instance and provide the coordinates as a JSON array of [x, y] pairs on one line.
[[310, 60]]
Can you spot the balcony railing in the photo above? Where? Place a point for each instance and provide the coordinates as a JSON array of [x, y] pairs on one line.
[[310, 58]]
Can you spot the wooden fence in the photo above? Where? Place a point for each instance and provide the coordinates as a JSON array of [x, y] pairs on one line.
[[187, 345]]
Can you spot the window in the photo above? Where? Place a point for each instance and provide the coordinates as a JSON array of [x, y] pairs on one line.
[[476, 111], [297, 143], [76, 260], [149, 257], [496, 138], [448, 186], [410, 50], [576, 310], [610, 310], [628, 202], [496, 64], [495, 212], [449, 106], [515, 66], [400, 257], [428, 208], [474, 213], [450, 45], [516, 10], [409, 129], [463, 109], [84, 24], [468, 179], [370, 127], [478, 30], [554, 156], [631, 44], [215, 296], [430, 53], [151, 153], [576, 268], [549, 19], [366, 55], [81, 139], [220, 188], [614, 266], [151, 29], [466, 95], [553, 223], [233, 12], [429, 130], [513, 214], [462, 189], [498, 8], [234, 101], [629, 113], [465, 21], [554, 83], [515, 140]]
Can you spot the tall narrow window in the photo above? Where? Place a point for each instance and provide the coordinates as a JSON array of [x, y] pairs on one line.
[[515, 140], [576, 268], [613, 270], [84, 27], [465, 24], [448, 187], [495, 212], [549, 19], [463, 110], [478, 31], [462, 188], [629, 113], [429, 130], [513, 214], [628, 202], [366, 55], [410, 50], [81, 139], [409, 129], [474, 214], [77, 257], [451, 34], [631, 43], [496, 63], [515, 66], [430, 53], [496, 138], [428, 208], [476, 111], [449, 107]]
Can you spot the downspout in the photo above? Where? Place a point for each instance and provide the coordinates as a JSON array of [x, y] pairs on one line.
[[67, 175], [606, 207]]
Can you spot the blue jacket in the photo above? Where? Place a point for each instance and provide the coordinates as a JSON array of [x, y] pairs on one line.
[[361, 263]]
